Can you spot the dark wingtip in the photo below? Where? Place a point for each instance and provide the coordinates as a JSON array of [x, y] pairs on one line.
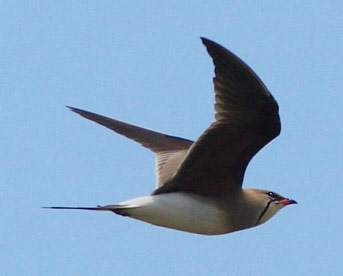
[[206, 41], [78, 110], [72, 108], [217, 51]]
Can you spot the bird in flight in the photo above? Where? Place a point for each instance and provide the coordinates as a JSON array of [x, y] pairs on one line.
[[199, 183]]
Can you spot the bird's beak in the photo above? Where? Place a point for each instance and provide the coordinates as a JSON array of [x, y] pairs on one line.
[[287, 201]]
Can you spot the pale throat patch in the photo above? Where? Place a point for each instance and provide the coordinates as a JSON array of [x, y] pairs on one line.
[[271, 211]]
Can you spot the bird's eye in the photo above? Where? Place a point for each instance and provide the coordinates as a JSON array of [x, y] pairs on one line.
[[271, 194]]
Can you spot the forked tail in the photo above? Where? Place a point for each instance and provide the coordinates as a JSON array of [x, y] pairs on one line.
[[98, 208], [118, 209]]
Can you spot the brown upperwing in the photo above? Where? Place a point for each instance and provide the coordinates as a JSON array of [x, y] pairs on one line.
[[246, 119], [155, 141]]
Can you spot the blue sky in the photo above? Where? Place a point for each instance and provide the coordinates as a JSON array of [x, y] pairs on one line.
[[143, 63]]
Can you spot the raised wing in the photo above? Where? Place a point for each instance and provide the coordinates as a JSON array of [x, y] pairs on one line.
[[170, 151], [246, 119]]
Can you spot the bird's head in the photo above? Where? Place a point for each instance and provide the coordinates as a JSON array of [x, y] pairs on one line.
[[268, 202]]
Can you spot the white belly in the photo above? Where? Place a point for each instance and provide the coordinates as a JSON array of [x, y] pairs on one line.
[[180, 211]]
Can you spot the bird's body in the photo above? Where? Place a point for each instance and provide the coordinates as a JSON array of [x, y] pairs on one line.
[[198, 187], [195, 213], [180, 211]]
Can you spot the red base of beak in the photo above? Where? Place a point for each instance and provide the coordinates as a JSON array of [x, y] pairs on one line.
[[287, 201]]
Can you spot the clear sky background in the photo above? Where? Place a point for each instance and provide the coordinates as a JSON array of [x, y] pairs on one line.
[[143, 62]]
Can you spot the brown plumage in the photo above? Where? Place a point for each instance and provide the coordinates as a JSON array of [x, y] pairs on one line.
[[198, 186]]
